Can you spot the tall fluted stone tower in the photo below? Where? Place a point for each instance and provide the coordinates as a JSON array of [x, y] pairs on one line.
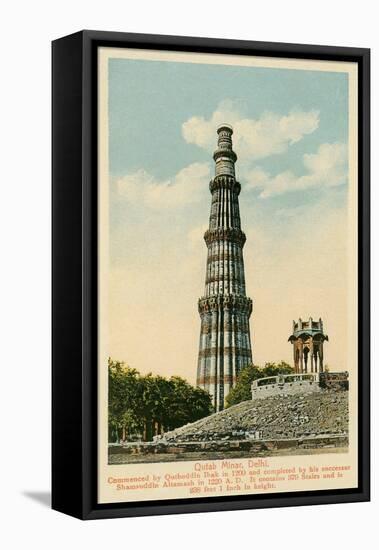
[[225, 345]]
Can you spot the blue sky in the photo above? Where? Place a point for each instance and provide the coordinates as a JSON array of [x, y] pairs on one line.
[[150, 100], [290, 134]]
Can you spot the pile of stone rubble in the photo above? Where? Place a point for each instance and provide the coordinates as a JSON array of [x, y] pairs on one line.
[[277, 417]]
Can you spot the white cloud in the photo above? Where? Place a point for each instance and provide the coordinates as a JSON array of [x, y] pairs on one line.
[[253, 139], [326, 168], [187, 186]]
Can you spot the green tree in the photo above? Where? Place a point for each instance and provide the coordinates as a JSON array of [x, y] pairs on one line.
[[242, 390], [150, 405], [186, 403], [124, 388]]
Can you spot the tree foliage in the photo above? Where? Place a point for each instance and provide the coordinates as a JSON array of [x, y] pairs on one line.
[[242, 390], [147, 405]]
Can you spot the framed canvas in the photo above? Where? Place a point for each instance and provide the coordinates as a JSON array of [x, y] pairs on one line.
[[210, 274]]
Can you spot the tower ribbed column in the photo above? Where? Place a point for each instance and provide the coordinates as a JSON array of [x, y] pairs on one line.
[[225, 310]]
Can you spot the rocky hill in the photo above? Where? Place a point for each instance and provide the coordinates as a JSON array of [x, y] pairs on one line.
[[277, 417]]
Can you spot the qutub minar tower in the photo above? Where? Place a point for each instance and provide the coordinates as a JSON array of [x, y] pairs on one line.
[[225, 346]]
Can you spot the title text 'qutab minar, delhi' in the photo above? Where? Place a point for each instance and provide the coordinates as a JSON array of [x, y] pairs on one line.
[[225, 345]]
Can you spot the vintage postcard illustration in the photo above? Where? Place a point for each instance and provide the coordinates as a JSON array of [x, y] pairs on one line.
[[227, 226]]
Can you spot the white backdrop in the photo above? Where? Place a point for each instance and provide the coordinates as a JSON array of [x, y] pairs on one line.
[[27, 29]]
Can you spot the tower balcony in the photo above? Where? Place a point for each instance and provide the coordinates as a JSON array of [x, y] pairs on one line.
[[230, 234], [225, 181], [241, 304]]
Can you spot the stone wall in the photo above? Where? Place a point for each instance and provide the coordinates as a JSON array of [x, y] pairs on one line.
[[254, 447], [292, 384], [288, 388]]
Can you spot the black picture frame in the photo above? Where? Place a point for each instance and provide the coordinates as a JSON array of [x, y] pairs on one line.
[[74, 272]]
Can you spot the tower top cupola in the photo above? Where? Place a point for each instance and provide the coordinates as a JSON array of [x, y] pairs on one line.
[[224, 156], [308, 339]]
